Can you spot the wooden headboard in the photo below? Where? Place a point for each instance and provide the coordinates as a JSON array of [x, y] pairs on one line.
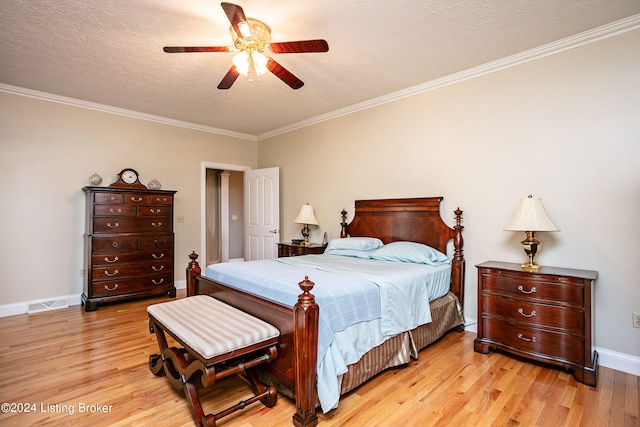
[[413, 220]]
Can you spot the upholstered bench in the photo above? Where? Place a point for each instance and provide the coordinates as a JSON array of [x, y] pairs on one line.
[[217, 341]]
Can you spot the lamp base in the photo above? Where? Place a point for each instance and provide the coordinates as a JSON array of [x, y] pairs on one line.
[[531, 268], [531, 246]]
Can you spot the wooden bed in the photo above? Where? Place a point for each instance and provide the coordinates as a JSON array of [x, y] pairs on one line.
[[294, 371]]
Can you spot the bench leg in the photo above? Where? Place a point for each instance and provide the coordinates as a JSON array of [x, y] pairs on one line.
[[181, 369]]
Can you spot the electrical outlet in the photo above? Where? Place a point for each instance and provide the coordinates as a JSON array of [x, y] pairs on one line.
[[82, 272], [636, 320]]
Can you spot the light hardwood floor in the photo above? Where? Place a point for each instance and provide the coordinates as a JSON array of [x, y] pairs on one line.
[[72, 368]]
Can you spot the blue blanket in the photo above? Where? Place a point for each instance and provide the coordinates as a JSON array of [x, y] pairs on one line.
[[394, 296]]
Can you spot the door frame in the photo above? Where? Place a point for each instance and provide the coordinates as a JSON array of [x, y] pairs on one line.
[[203, 199]]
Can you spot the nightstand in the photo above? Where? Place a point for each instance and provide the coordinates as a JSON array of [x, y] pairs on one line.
[[290, 249], [547, 316]]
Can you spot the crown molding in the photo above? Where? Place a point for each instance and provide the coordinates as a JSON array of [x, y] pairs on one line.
[[591, 36], [17, 90]]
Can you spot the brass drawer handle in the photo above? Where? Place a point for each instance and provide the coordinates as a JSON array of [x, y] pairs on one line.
[[136, 199], [523, 338], [161, 199], [157, 269], [156, 224], [158, 282], [157, 256], [521, 311], [106, 273], [115, 225], [111, 289], [155, 211], [532, 291], [111, 261], [115, 210]]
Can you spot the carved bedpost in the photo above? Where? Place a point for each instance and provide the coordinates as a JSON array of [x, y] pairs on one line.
[[343, 224], [305, 342], [192, 269], [458, 263]]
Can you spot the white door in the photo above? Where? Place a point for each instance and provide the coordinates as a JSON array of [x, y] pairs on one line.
[[262, 207]]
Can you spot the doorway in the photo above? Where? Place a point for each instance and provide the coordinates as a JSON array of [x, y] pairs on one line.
[[254, 217], [222, 212], [224, 216]]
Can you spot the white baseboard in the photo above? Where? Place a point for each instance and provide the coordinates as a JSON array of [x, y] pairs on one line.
[[608, 358], [23, 307], [619, 361]]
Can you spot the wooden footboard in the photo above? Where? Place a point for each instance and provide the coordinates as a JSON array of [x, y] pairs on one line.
[[294, 371]]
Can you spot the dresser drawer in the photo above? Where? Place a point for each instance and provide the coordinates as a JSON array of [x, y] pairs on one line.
[[114, 244], [112, 272], [533, 314], [160, 254], [126, 286], [109, 224], [154, 211], [562, 292], [113, 210], [156, 244], [136, 199], [536, 341], [161, 199], [108, 198]]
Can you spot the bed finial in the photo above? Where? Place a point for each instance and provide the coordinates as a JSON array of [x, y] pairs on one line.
[[193, 269], [343, 224]]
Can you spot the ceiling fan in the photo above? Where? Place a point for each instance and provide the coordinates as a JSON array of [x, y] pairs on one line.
[[252, 41]]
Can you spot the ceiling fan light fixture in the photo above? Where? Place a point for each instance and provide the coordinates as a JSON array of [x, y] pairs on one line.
[[259, 63], [251, 41], [254, 64], [245, 29], [241, 61]]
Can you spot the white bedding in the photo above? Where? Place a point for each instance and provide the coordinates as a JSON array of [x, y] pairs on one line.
[[362, 302]]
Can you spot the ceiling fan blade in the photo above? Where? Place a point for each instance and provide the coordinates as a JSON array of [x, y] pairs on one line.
[[180, 49], [229, 78], [284, 74], [235, 15], [300, 46]]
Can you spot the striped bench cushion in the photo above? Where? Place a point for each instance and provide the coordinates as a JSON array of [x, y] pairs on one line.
[[211, 327]]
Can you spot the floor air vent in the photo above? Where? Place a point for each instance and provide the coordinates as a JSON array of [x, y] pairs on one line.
[[37, 307]]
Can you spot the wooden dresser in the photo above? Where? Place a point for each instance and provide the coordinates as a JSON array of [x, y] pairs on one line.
[[128, 244], [547, 315]]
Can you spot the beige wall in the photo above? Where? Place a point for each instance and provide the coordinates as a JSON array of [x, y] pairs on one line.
[[47, 152], [565, 128]]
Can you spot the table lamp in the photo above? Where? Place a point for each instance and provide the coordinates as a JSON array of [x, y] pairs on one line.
[[306, 217], [530, 217]]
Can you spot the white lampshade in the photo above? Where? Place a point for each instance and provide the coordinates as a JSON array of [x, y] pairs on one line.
[[306, 215], [530, 216]]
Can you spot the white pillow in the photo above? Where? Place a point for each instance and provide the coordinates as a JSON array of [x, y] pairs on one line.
[[410, 252], [355, 243]]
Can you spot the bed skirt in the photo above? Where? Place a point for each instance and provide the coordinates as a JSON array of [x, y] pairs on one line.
[[446, 314]]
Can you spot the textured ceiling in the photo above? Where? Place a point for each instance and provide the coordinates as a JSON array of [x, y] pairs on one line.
[[110, 52]]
